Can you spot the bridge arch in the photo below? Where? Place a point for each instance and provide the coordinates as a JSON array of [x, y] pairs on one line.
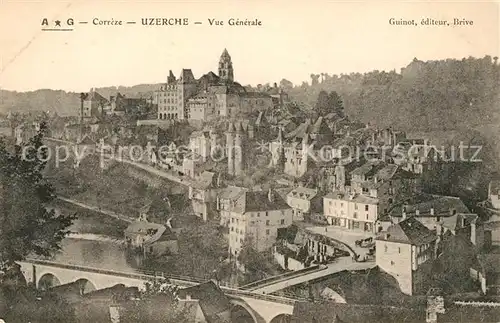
[[48, 280], [86, 286], [282, 318], [242, 312]]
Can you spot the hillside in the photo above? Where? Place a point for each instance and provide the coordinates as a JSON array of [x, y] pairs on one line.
[[426, 96], [64, 103]]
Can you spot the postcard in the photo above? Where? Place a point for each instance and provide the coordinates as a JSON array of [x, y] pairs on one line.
[[249, 161]]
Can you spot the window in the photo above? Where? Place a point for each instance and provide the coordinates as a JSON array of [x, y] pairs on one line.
[[392, 263], [267, 222], [355, 215], [366, 207], [258, 214], [399, 250], [267, 213], [355, 206], [282, 222], [385, 248], [367, 216], [330, 202], [267, 232]]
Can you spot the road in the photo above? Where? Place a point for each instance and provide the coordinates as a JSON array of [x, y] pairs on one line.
[[344, 263], [96, 209], [153, 170]]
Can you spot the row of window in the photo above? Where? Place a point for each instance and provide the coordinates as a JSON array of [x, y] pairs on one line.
[[167, 116], [367, 207], [168, 94], [169, 101], [342, 214], [170, 107]]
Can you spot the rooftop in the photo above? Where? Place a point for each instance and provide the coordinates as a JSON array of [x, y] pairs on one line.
[[430, 206], [303, 193], [409, 231], [258, 201], [211, 298], [356, 198]]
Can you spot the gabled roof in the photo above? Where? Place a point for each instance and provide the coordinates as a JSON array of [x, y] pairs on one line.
[[153, 231], [441, 205], [258, 201], [303, 193], [95, 96], [409, 231], [369, 168], [211, 298], [231, 192]]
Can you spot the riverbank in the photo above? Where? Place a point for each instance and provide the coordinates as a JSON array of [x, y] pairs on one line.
[[91, 222]]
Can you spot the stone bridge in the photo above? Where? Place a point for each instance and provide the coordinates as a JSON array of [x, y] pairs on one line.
[[46, 274]]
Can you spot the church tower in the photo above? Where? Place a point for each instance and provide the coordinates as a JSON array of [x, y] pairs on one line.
[[226, 67]]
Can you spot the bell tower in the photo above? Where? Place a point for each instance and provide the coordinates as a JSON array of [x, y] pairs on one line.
[[226, 67]]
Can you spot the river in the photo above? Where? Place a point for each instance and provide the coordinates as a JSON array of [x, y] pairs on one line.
[[93, 249], [101, 254]]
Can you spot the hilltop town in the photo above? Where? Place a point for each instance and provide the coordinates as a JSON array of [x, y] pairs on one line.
[[241, 194]]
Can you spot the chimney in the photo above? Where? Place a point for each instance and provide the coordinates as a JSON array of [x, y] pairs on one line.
[[404, 213], [270, 195], [432, 211], [473, 232], [188, 297], [417, 212], [275, 85]]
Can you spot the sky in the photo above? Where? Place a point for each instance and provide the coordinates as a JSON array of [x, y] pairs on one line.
[[296, 38]]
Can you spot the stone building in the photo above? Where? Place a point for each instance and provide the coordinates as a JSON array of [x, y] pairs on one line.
[[209, 96], [406, 252]]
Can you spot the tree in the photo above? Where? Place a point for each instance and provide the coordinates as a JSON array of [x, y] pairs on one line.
[[250, 258], [335, 103], [329, 103], [158, 302], [27, 226], [286, 84], [322, 103], [28, 306]]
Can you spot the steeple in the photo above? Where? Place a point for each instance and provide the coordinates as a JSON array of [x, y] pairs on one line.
[[226, 67], [171, 77]]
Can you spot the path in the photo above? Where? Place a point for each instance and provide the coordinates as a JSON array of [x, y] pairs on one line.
[[172, 176], [346, 237], [344, 263], [96, 209]]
